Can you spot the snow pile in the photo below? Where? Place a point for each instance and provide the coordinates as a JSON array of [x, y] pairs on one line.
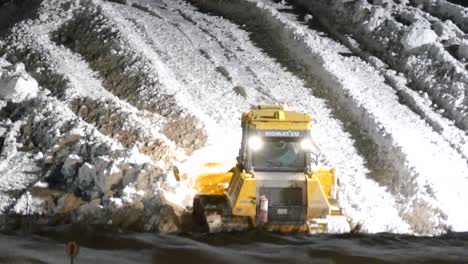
[[16, 85], [179, 194], [115, 185], [80, 138], [338, 224], [77, 159]]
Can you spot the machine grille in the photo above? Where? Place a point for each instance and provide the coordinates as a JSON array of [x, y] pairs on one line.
[[285, 205], [286, 215]]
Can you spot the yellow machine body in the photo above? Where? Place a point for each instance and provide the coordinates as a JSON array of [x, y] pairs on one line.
[[241, 190], [239, 186]]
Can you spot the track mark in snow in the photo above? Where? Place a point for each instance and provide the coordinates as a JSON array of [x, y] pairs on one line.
[[126, 73], [146, 9], [123, 72], [239, 90], [224, 73], [206, 55], [112, 117], [422, 65], [153, 13], [77, 85], [456, 137]]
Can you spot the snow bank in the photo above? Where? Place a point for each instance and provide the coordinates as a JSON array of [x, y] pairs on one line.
[[77, 159], [405, 40], [115, 147]]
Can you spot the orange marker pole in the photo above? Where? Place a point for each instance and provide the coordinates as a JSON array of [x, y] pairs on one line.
[[72, 250]]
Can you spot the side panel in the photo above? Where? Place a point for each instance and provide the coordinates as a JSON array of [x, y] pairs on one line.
[[234, 186], [241, 194], [244, 204], [327, 179], [317, 201]]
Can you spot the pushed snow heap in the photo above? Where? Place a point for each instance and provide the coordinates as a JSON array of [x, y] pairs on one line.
[[42, 139], [15, 84]]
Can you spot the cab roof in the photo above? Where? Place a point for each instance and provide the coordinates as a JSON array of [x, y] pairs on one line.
[[276, 117]]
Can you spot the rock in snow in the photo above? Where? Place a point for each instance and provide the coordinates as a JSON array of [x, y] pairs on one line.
[[417, 37], [16, 85], [71, 165]]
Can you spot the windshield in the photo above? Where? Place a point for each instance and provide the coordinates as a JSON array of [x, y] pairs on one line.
[[279, 154]]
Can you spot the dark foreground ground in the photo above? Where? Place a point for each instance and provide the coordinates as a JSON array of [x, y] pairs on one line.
[[48, 246]]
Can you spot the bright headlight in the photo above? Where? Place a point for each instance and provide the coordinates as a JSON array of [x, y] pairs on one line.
[[307, 144], [255, 143]]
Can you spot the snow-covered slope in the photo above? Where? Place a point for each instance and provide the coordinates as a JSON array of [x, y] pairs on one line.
[[113, 94]]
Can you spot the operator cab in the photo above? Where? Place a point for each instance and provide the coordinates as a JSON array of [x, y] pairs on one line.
[[278, 154], [266, 148]]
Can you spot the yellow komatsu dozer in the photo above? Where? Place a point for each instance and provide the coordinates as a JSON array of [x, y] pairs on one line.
[[276, 184]]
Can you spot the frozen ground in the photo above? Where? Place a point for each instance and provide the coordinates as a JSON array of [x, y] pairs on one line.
[[252, 247], [99, 99]]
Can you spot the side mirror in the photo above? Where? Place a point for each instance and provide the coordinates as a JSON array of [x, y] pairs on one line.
[[316, 157], [315, 153]]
